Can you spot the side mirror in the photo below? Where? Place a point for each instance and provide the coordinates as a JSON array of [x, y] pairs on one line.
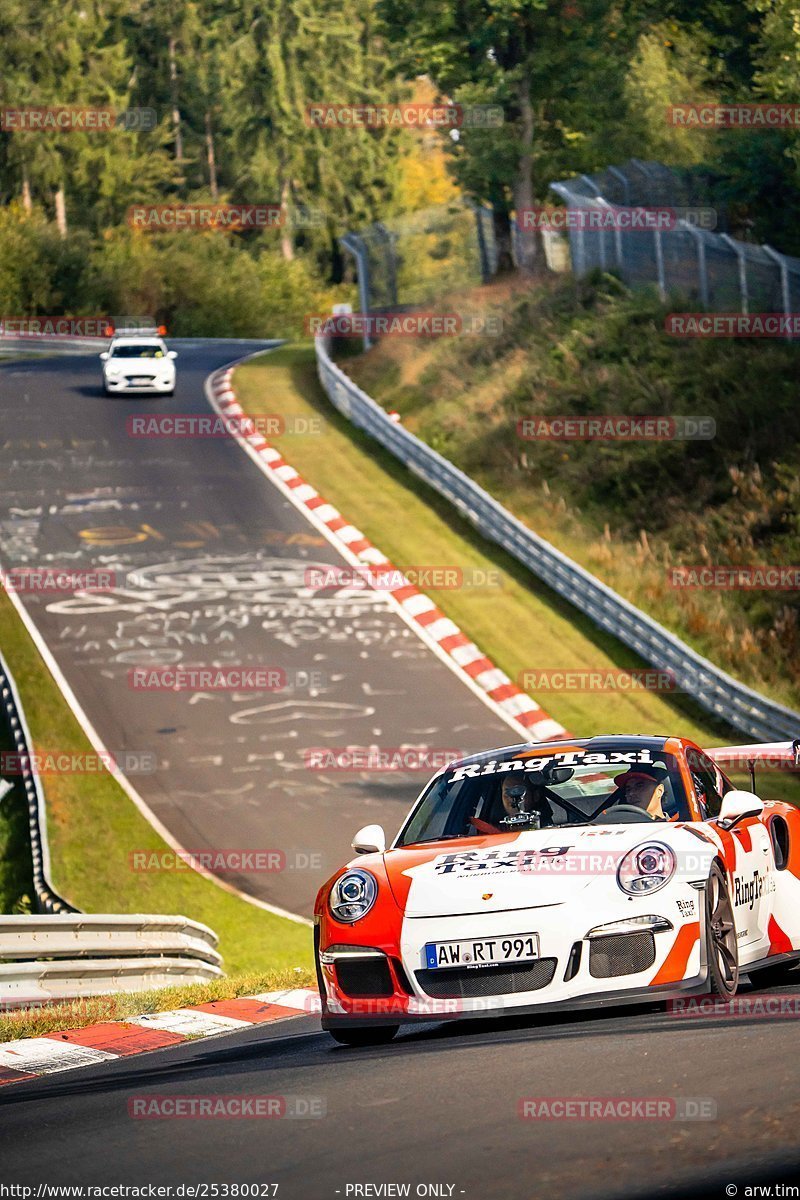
[[104, 355], [369, 840], [172, 354], [736, 806]]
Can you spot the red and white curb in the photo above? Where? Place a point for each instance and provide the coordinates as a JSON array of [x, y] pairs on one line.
[[67, 1049], [462, 655]]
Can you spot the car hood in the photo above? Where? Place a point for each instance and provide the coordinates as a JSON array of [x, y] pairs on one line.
[[533, 869]]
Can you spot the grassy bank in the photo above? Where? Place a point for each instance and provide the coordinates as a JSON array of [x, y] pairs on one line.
[[520, 623], [628, 511], [92, 827]]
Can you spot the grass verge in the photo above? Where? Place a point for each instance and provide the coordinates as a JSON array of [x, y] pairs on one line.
[[92, 827], [77, 1014], [629, 511], [519, 624]]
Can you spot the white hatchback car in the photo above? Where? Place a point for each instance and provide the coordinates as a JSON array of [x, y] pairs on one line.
[[138, 363]]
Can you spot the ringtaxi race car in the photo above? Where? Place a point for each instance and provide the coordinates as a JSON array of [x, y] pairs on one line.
[[139, 363], [554, 875]]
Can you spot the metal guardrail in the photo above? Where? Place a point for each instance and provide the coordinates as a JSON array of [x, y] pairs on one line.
[[47, 899], [24, 985], [75, 935], [61, 953], [719, 693], [70, 955]]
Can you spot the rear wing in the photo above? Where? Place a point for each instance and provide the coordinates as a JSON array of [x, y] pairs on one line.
[[772, 755]]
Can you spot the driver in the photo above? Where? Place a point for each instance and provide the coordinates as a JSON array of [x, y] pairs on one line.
[[643, 787]]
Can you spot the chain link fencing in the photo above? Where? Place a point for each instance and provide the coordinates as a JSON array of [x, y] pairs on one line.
[[418, 257], [705, 266]]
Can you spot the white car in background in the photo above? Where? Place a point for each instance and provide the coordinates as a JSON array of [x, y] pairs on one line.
[[139, 363]]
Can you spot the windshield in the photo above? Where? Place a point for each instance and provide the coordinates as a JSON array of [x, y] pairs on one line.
[[542, 790], [140, 350]]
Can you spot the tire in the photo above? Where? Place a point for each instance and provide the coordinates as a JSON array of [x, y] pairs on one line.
[[364, 1035], [721, 946]]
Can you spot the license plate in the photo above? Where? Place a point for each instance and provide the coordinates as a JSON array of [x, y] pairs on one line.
[[140, 379], [523, 947]]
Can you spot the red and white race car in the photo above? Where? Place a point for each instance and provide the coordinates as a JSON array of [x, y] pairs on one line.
[[599, 871]]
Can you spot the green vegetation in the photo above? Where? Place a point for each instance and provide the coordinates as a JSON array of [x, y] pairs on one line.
[[220, 98], [93, 827], [629, 511], [77, 1014]]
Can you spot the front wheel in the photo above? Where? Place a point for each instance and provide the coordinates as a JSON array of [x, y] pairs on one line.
[[364, 1035], [721, 947]]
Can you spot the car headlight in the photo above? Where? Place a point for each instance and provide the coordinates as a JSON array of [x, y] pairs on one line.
[[646, 869], [353, 895]]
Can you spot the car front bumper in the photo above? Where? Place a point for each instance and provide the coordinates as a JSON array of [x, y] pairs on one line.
[[678, 966]]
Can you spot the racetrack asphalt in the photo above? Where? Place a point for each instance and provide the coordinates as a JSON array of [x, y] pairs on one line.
[[440, 1105], [209, 560]]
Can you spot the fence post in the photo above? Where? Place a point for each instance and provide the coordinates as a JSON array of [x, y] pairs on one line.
[[738, 250], [483, 250], [357, 247], [662, 288], [626, 186], [391, 260], [785, 292], [702, 274]]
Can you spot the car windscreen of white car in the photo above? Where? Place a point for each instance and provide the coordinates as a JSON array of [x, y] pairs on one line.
[[141, 350], [523, 793]]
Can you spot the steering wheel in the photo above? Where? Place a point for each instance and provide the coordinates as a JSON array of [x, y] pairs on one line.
[[630, 810]]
